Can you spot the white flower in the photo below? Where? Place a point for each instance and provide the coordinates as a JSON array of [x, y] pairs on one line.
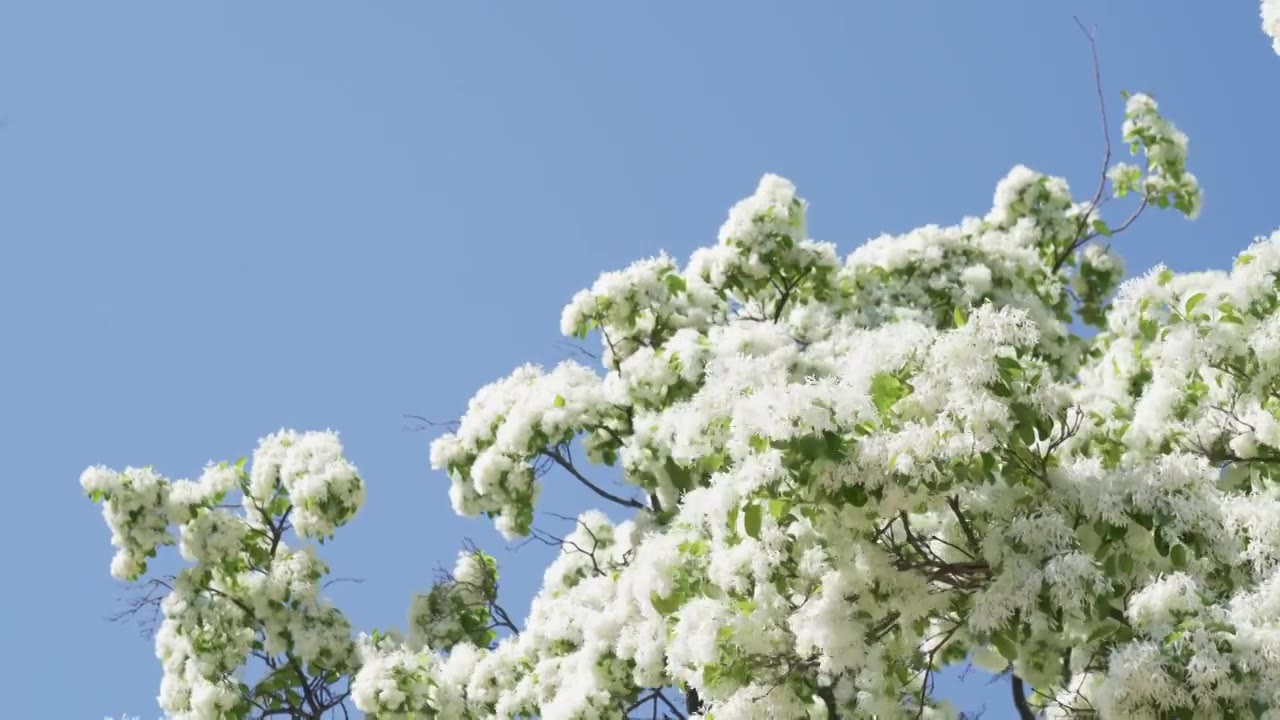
[[1271, 21]]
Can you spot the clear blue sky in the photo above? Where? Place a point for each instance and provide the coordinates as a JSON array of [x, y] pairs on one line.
[[217, 219]]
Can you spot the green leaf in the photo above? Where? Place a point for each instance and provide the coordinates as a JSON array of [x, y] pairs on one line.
[[1162, 546], [1244, 259], [988, 463], [680, 476], [665, 605], [779, 508], [1143, 519], [1007, 647], [1044, 426], [280, 505], [886, 390], [1165, 276], [96, 496], [1105, 629], [1116, 532], [1001, 389], [712, 462], [1101, 228], [1193, 301], [752, 518], [960, 317], [1010, 364], [855, 495], [1178, 556], [810, 447], [836, 447], [675, 283], [1125, 563], [1026, 433], [1149, 328], [559, 401]]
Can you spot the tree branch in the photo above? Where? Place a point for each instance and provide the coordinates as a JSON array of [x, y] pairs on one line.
[[1081, 235], [670, 705], [423, 423], [556, 456], [692, 703], [1020, 700], [954, 503]]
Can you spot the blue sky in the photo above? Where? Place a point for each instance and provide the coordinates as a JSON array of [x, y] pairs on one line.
[[218, 219]]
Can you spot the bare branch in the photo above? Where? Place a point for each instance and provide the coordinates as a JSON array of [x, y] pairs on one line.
[[558, 457], [954, 503], [598, 566], [335, 581], [146, 603], [928, 666], [1082, 236], [1020, 700], [662, 696], [576, 349], [421, 423]]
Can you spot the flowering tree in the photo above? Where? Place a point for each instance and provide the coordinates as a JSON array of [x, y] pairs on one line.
[[1271, 21], [965, 441]]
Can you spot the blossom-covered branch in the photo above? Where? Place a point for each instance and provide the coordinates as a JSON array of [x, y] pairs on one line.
[[857, 470]]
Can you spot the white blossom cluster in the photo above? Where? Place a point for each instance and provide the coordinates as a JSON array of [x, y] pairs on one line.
[[844, 473], [1271, 22], [1166, 181], [246, 593], [457, 609]]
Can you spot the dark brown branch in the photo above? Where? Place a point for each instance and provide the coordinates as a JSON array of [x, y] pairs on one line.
[[670, 705], [277, 531], [576, 349], [692, 703], [546, 538], [423, 424], [307, 693], [828, 696], [1020, 700], [502, 619], [785, 294], [954, 503], [498, 615], [643, 699], [556, 456], [155, 590], [335, 581], [928, 666]]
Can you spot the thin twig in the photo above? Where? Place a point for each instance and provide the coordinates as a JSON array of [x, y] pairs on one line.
[[424, 423], [555, 455], [1081, 236], [954, 503]]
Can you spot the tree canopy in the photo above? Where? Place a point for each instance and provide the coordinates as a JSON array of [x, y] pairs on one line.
[[974, 441]]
